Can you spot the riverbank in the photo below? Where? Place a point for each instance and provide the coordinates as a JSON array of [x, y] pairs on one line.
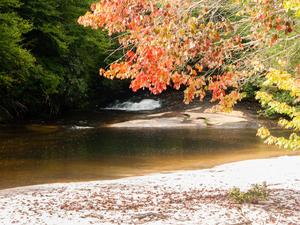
[[188, 197]]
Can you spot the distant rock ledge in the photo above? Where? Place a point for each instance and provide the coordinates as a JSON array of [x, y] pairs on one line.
[[187, 197], [190, 118]]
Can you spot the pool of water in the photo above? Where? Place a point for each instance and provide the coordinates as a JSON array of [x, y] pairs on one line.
[[46, 154]]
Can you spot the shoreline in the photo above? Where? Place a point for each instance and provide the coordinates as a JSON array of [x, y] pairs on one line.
[[187, 197], [188, 167]]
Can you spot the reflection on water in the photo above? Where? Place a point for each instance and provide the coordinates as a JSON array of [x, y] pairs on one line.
[[45, 154]]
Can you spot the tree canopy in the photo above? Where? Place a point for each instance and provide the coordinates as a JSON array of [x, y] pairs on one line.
[[214, 47], [48, 61]]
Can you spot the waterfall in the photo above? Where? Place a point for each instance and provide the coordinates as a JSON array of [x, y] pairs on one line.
[[143, 105]]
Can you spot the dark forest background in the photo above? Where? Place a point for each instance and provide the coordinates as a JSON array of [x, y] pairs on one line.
[[49, 63]]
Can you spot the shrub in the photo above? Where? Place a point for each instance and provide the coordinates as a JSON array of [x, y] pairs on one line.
[[257, 192]]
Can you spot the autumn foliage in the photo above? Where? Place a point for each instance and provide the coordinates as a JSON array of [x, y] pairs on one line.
[[183, 43], [281, 81], [200, 46]]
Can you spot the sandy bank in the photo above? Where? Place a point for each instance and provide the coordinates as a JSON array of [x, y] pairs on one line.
[[188, 197]]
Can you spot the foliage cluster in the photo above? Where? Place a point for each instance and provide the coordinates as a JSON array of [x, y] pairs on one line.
[[206, 46], [279, 92], [277, 80]]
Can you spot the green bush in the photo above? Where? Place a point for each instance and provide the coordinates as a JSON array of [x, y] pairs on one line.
[[257, 192]]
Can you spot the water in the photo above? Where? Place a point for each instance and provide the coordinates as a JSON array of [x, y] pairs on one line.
[[45, 154], [131, 106]]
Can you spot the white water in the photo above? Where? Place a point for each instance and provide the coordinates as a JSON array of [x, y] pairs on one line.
[[75, 127], [143, 105]]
